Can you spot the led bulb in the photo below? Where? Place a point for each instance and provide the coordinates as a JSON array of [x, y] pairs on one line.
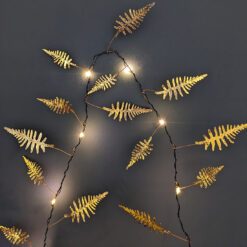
[[53, 201], [178, 190], [88, 73], [126, 70], [81, 135], [162, 122]]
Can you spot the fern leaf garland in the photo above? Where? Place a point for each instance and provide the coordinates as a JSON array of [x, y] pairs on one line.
[[125, 111], [57, 105], [85, 206], [144, 219], [129, 22], [179, 86], [14, 235], [104, 83], [221, 135], [61, 58], [34, 171], [207, 176], [141, 150], [30, 138]]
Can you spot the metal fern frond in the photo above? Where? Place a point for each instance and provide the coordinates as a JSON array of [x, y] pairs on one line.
[[60, 58], [85, 206], [221, 135], [60, 106], [14, 235], [179, 86], [141, 150], [207, 176], [129, 22], [146, 220], [35, 172], [57, 105], [30, 138], [104, 83], [125, 111]]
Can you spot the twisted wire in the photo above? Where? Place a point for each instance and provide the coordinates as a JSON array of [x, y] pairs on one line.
[[95, 58], [140, 85], [145, 96]]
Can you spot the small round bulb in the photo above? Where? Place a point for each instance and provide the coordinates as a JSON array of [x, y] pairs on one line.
[[88, 73], [126, 70], [162, 122], [53, 201], [178, 190], [81, 135]]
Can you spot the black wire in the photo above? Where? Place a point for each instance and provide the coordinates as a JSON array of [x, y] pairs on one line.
[[170, 140], [95, 58], [59, 190]]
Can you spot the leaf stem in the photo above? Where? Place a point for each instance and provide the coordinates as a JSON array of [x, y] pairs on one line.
[[95, 106], [148, 90], [176, 236], [111, 41], [76, 116], [56, 222], [155, 131], [61, 150], [184, 146], [188, 186], [48, 187], [120, 71]]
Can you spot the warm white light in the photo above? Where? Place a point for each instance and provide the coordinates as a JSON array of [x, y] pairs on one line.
[[178, 190], [162, 122], [81, 135], [126, 70], [53, 201], [88, 73]]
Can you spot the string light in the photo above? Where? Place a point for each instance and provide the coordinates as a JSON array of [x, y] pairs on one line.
[[53, 201], [162, 122], [178, 190], [81, 135], [87, 73], [126, 70]]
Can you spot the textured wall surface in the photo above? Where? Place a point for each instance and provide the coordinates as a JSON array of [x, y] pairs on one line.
[[177, 38]]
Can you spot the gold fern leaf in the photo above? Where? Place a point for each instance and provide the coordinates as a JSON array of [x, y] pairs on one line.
[[14, 236], [61, 58], [221, 135], [125, 110], [179, 85], [207, 176], [58, 105], [132, 20], [144, 219], [141, 150], [104, 83], [30, 138], [34, 171], [85, 206]]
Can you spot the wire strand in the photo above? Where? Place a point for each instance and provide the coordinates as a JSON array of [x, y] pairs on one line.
[[143, 92], [95, 58], [145, 96]]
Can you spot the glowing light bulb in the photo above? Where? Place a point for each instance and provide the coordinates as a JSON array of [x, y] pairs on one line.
[[88, 73], [178, 190], [162, 122], [81, 135], [53, 201], [127, 70]]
